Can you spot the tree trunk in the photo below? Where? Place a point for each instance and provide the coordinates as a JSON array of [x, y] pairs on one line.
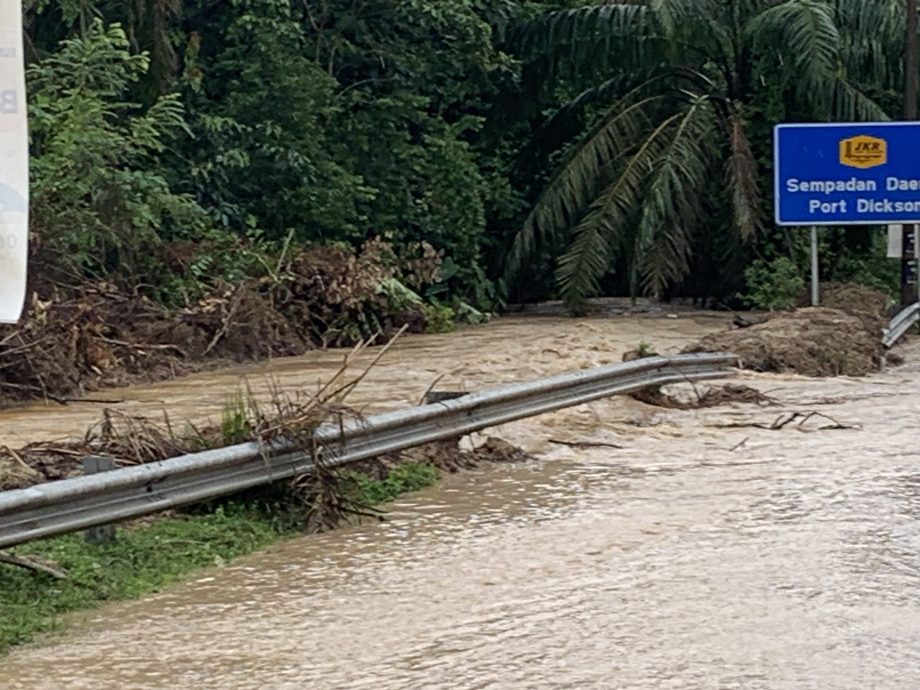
[[911, 67]]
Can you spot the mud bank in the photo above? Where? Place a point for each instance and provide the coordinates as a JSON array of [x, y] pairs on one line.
[[841, 338]]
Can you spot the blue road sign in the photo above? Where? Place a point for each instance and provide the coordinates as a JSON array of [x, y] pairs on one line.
[[847, 174]]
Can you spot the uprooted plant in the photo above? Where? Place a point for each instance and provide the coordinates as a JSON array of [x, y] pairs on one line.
[[284, 418]]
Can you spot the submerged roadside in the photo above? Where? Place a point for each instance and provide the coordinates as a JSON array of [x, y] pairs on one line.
[[42, 581], [150, 554]]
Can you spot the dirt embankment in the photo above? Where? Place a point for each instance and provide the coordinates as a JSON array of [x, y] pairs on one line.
[[79, 339], [842, 337]]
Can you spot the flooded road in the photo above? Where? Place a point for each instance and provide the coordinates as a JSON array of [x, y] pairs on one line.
[[695, 549], [507, 350]]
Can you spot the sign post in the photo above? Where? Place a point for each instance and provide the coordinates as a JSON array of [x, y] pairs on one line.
[[14, 164], [815, 297], [846, 174], [911, 86]]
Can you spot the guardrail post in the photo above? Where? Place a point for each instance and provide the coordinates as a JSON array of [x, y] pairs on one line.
[[442, 396], [100, 534]]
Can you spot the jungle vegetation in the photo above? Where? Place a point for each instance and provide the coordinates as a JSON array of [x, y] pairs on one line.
[[540, 149]]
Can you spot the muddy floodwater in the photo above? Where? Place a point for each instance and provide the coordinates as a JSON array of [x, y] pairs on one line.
[[507, 350], [642, 548]]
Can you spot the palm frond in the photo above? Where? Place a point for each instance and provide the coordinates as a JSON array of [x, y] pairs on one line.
[[674, 15], [741, 177], [584, 263], [852, 105], [607, 90], [872, 28], [575, 183], [570, 121], [699, 24], [672, 201], [589, 38], [608, 217], [581, 25], [872, 38], [808, 33]]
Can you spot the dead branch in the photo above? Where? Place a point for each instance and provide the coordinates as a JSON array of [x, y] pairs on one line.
[[143, 346], [430, 388], [18, 458], [226, 322], [343, 392], [346, 363], [34, 565], [740, 445], [585, 444], [787, 418]]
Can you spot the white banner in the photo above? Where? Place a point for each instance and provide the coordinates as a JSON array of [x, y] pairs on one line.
[[14, 164], [895, 235]]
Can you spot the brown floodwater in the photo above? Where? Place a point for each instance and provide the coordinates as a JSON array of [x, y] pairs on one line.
[[695, 549], [505, 350]]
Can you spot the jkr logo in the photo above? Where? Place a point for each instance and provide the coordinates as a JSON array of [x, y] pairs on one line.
[[863, 152]]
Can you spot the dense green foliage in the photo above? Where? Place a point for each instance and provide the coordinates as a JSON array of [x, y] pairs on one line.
[[773, 285], [573, 147], [100, 199], [399, 480]]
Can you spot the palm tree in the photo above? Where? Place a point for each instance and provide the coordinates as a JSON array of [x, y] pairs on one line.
[[676, 79]]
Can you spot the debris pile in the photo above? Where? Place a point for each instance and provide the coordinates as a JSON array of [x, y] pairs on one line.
[[78, 339], [712, 396], [840, 339]]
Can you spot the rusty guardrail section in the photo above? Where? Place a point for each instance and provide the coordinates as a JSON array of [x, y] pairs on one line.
[[74, 504], [900, 324]]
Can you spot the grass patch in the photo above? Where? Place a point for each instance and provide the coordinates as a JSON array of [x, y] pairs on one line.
[[141, 560], [145, 558], [399, 480]]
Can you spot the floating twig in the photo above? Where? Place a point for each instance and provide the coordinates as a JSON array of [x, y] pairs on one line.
[[585, 444], [788, 418]]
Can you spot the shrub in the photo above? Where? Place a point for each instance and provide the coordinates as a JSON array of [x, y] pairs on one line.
[[774, 285]]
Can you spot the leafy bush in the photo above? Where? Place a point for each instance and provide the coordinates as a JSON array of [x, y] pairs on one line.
[[438, 318], [99, 200], [398, 480], [774, 285], [260, 110]]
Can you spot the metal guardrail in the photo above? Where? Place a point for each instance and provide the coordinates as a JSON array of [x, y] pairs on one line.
[[73, 504], [900, 324]]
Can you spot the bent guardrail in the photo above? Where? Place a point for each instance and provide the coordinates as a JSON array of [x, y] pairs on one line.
[[74, 504], [900, 324]]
